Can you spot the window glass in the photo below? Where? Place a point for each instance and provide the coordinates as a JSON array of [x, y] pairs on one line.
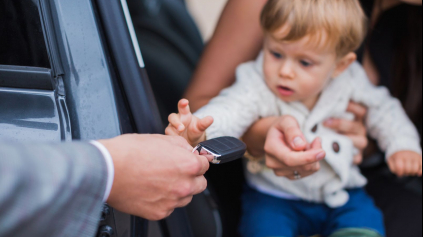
[[21, 35]]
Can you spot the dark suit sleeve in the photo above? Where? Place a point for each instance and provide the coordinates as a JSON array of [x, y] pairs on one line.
[[51, 189]]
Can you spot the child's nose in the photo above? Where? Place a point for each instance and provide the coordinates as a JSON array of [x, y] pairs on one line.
[[286, 70]]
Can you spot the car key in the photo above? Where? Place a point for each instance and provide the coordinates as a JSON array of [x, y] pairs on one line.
[[222, 149]]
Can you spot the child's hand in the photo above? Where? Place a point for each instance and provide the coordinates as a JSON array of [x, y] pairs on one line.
[[406, 163], [187, 125]]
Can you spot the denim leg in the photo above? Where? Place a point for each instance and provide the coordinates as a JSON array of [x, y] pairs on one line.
[[265, 216], [359, 212]]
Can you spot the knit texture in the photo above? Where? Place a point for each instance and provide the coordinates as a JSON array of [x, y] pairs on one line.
[[249, 99]]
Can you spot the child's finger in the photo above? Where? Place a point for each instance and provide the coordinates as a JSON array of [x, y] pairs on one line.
[[205, 123], [399, 167], [392, 167], [175, 121], [408, 165], [183, 107], [420, 172], [416, 168], [171, 131]]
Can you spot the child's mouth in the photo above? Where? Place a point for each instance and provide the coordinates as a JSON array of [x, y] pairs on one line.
[[285, 91]]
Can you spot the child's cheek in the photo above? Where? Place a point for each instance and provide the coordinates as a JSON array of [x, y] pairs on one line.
[[311, 87], [267, 73]]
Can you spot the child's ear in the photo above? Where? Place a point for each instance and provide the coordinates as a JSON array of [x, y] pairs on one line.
[[343, 64]]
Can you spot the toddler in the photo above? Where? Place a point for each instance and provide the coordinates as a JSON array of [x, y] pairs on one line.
[[308, 70]]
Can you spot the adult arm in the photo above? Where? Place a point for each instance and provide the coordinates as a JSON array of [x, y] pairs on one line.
[[237, 39], [58, 189], [50, 189]]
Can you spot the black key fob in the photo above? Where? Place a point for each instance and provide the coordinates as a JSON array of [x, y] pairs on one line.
[[222, 149]]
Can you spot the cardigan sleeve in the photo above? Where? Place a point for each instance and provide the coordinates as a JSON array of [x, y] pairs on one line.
[[386, 121]]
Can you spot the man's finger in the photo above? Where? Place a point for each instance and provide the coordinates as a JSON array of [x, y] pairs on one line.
[[292, 132], [184, 202], [205, 123], [205, 165], [200, 184], [180, 142], [358, 110]]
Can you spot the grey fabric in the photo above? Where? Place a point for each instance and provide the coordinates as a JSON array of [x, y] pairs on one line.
[[50, 189]]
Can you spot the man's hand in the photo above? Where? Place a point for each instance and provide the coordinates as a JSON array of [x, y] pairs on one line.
[[406, 163], [188, 126], [287, 150], [154, 174]]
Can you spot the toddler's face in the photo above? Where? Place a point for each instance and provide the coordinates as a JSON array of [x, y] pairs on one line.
[[297, 71]]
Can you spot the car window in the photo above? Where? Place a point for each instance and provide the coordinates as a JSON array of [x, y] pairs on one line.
[[21, 34]]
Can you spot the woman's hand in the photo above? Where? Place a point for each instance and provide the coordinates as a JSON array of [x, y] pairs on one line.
[[287, 150], [355, 130]]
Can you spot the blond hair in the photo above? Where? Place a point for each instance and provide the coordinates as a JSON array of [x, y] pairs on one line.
[[343, 21]]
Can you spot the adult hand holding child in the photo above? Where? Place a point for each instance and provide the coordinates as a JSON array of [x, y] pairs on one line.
[[287, 151]]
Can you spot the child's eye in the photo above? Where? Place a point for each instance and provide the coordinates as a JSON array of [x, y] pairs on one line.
[[305, 63], [276, 55]]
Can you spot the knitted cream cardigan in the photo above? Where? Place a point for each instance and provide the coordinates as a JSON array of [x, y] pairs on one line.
[[249, 99]]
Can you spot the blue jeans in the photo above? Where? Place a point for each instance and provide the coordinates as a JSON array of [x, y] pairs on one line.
[[265, 215]]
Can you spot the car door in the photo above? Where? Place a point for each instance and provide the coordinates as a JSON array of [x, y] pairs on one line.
[[58, 82], [32, 104]]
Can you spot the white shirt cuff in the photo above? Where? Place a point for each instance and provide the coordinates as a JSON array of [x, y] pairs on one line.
[[110, 168]]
